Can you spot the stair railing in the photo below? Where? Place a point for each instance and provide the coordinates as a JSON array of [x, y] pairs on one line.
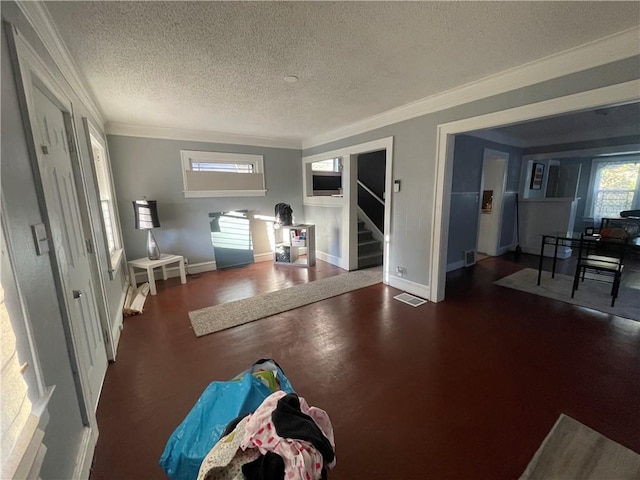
[[370, 192]]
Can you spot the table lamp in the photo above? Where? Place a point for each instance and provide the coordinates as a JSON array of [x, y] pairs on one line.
[[146, 217]]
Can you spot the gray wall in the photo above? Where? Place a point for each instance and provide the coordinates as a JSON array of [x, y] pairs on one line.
[[328, 222], [152, 167], [468, 156], [415, 151]]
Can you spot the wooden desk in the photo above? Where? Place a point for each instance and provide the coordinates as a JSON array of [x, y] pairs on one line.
[[149, 265]]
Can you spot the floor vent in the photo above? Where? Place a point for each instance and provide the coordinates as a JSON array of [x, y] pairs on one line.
[[410, 299], [469, 258]]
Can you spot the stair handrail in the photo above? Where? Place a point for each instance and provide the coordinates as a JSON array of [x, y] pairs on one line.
[[370, 192]]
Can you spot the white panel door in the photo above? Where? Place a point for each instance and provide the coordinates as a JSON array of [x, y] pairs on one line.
[[493, 182], [68, 241]]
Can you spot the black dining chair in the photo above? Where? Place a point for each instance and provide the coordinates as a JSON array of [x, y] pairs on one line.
[[603, 257]]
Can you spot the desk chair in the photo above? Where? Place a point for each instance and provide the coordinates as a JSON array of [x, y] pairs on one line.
[[608, 262]]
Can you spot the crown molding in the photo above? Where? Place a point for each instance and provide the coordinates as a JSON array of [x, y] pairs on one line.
[[593, 54], [40, 20], [129, 130]]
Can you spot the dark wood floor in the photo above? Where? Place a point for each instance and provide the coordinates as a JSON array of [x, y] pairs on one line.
[[464, 389]]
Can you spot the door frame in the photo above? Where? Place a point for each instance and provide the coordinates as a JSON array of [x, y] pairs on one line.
[[349, 200], [31, 71], [619, 94], [503, 156], [99, 263]]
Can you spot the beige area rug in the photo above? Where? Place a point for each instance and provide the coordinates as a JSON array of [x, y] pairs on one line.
[[573, 451], [220, 317], [590, 293]]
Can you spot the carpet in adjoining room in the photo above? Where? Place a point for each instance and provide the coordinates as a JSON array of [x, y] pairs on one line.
[[572, 450], [591, 294], [220, 317]]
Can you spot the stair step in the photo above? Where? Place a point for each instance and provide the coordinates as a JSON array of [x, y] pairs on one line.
[[369, 246], [370, 260], [360, 225], [364, 235]]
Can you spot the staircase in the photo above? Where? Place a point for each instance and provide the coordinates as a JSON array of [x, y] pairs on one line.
[[369, 249]]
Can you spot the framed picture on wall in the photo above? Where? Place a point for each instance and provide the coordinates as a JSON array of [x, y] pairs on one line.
[[537, 173]]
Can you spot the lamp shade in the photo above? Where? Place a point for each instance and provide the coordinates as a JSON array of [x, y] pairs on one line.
[[146, 214]]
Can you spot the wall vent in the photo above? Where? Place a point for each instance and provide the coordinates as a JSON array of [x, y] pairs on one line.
[[469, 258]]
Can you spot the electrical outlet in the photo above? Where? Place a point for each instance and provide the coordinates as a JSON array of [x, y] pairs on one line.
[[401, 271]]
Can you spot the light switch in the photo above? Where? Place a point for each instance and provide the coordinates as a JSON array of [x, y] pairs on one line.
[[396, 186], [40, 237]]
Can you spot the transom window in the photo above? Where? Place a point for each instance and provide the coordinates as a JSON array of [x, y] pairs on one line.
[[222, 167], [329, 165], [217, 174]]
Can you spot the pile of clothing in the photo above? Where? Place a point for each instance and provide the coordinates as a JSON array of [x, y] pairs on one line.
[[252, 427], [283, 439]]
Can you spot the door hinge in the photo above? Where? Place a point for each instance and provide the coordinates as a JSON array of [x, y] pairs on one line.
[[89, 246], [106, 337]]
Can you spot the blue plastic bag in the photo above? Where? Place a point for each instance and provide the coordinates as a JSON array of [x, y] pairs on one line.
[[219, 404]]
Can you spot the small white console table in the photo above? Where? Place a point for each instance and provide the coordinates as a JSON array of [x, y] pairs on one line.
[[149, 265]]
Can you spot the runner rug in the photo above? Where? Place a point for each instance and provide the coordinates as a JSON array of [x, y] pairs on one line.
[[574, 451], [590, 293], [220, 317]]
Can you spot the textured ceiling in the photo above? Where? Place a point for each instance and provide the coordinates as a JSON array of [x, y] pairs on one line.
[[616, 121], [219, 66]]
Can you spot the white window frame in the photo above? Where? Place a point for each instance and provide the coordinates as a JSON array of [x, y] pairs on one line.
[[307, 180], [114, 258], [336, 165], [191, 156], [595, 163]]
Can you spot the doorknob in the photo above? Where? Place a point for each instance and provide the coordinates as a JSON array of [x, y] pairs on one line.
[[77, 294]]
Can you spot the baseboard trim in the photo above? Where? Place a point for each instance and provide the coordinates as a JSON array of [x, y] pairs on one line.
[[455, 266], [333, 260], [200, 267], [263, 257], [84, 458], [505, 249], [413, 288], [117, 325]]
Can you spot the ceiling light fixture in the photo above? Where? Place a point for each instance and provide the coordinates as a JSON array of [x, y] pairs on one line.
[[291, 79]]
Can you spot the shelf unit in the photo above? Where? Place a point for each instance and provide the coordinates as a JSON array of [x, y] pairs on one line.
[[295, 245]]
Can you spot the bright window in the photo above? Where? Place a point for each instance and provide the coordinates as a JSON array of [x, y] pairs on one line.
[[217, 174], [329, 165], [105, 192], [615, 187], [223, 167]]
